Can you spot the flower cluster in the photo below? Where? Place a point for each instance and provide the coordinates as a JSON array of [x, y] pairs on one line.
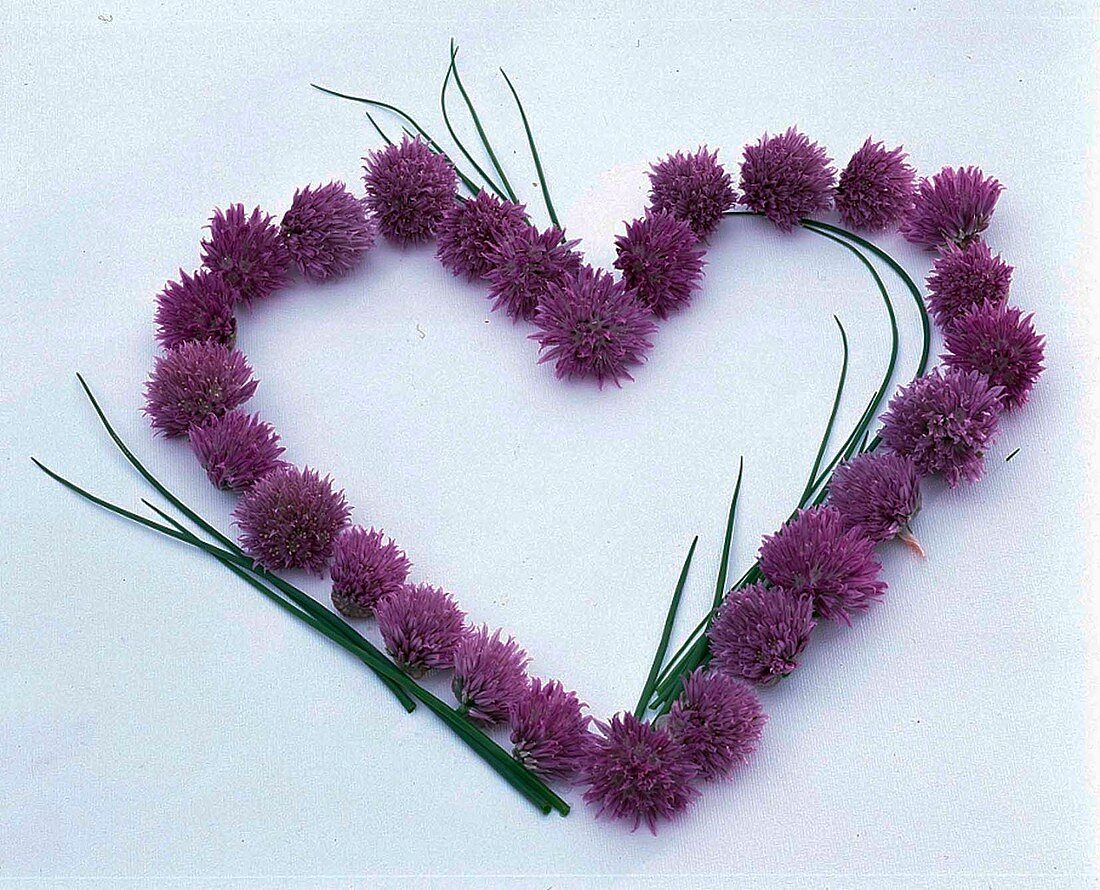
[[490, 675], [327, 230], [875, 190], [366, 569], [998, 342], [290, 519], [410, 188], [525, 265], [550, 731], [965, 277], [877, 494], [592, 326], [661, 262], [694, 188], [787, 177], [471, 230], [815, 556], [194, 383], [944, 422], [953, 207], [760, 631], [247, 253], [639, 772], [422, 627], [236, 449], [717, 721], [197, 307]]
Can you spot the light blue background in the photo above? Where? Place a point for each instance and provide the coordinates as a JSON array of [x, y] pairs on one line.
[[157, 719]]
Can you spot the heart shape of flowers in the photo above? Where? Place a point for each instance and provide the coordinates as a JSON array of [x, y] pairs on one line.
[[594, 324]]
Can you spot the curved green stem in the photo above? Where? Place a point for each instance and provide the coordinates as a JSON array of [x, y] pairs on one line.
[[534, 153], [450, 129], [466, 181], [662, 647], [832, 415], [480, 129]]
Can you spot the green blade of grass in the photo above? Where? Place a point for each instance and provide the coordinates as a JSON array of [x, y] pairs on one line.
[[515, 773], [534, 153], [454, 136], [666, 634], [832, 415], [412, 122], [481, 130]]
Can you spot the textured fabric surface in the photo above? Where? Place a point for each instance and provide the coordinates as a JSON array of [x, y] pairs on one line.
[[158, 718]]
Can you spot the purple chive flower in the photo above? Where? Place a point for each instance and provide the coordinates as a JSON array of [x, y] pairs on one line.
[[999, 342], [760, 632], [327, 231], [366, 568], [877, 494], [814, 555], [236, 449], [661, 261], [471, 230], [965, 277], [718, 721], [876, 188], [409, 190], [247, 253], [290, 519], [593, 327], [490, 675], [422, 627], [550, 734], [954, 206], [197, 307], [694, 188], [786, 177], [638, 772], [193, 383], [525, 264], [944, 422]]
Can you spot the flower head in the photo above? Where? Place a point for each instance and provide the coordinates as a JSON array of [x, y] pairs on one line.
[[366, 568], [422, 627], [694, 188], [786, 177], [327, 231], [718, 721], [409, 190], [965, 277], [661, 261], [954, 206], [876, 493], [490, 675], [876, 188], [471, 230], [193, 383], [760, 632], [550, 734], [999, 342], [525, 264], [236, 449], [290, 519], [197, 307], [944, 422], [247, 253], [639, 773], [592, 326], [813, 555]]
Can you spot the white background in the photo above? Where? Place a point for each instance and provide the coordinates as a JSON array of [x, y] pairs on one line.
[[159, 719]]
